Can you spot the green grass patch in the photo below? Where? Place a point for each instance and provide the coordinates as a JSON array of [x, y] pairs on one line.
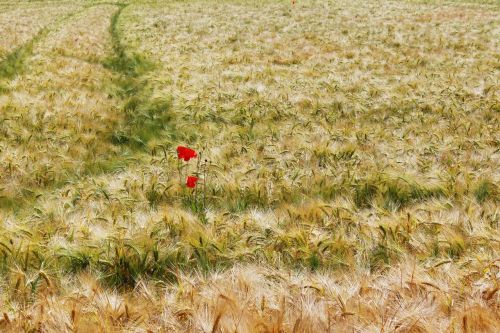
[[392, 193], [485, 190], [96, 167], [14, 63], [8, 203]]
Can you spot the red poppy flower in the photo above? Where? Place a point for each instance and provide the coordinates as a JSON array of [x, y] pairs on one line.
[[185, 153], [191, 181]]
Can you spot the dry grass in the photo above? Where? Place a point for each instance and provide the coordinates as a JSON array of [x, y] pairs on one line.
[[352, 183]]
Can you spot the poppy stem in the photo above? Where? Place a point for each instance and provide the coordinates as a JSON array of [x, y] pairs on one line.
[[197, 174], [205, 184], [179, 171]]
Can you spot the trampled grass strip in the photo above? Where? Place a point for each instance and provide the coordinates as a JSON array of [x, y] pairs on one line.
[[141, 112], [68, 108], [14, 62], [146, 117]]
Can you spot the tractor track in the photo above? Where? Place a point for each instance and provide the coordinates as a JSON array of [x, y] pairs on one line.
[[121, 71]]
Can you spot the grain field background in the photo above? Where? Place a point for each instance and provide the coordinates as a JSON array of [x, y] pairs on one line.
[[348, 166]]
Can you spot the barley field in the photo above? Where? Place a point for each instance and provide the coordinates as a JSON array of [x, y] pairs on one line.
[[249, 166]]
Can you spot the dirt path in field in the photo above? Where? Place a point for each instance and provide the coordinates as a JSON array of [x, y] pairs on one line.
[[59, 107]]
